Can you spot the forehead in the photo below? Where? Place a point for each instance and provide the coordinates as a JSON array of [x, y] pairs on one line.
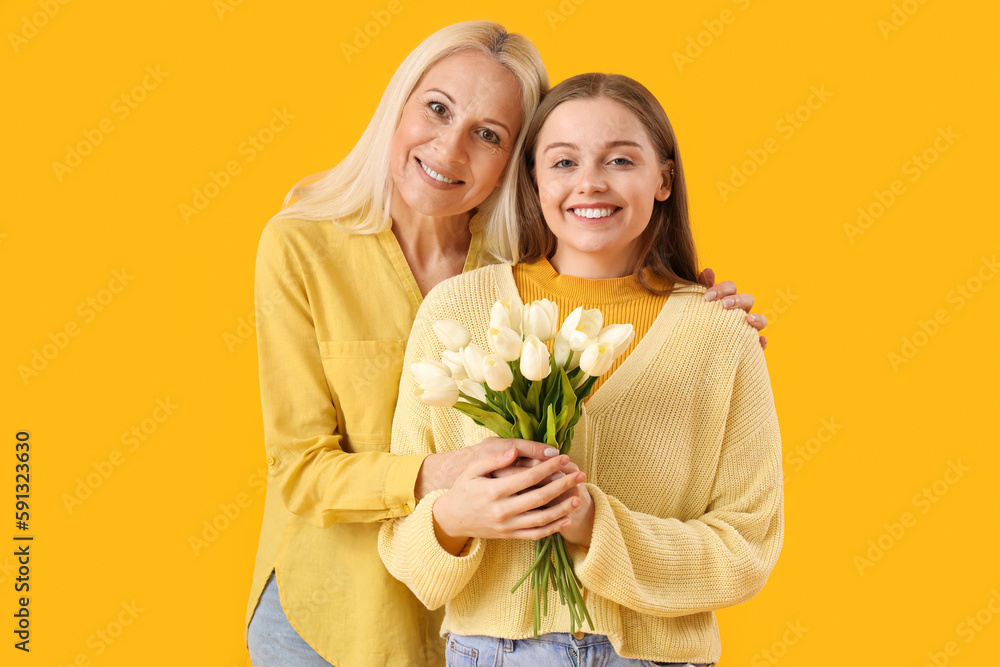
[[592, 121], [476, 81]]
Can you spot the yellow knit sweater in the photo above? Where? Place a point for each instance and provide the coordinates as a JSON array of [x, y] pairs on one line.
[[683, 458]]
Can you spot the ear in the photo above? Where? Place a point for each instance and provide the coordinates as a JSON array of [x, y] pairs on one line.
[[667, 184]]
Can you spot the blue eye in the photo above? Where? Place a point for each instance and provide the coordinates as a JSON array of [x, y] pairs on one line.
[[563, 164], [622, 162]]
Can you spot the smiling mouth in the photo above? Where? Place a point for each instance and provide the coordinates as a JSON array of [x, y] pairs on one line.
[[595, 213], [436, 176]]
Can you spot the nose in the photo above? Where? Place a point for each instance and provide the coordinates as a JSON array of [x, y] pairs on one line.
[[450, 143], [590, 178]]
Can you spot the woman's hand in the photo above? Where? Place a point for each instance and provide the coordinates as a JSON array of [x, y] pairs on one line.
[[581, 518], [439, 471], [730, 299], [518, 506]]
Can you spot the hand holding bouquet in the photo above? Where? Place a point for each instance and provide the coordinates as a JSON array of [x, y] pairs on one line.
[[520, 390]]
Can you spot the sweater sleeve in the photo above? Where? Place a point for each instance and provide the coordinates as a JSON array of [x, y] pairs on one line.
[[408, 545], [316, 478], [668, 567]]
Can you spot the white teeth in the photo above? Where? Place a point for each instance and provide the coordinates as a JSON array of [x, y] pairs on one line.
[[593, 212], [433, 174]]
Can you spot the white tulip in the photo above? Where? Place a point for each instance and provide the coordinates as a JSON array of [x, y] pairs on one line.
[[439, 391], [506, 342], [453, 335], [472, 358], [453, 360], [619, 335], [506, 314], [534, 359], [564, 356], [597, 359], [582, 327], [541, 319], [427, 368], [497, 372], [473, 389]]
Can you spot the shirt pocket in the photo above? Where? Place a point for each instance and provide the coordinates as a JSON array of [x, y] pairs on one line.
[[364, 378]]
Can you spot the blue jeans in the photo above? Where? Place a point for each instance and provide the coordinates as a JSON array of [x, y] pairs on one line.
[[558, 648], [272, 640]]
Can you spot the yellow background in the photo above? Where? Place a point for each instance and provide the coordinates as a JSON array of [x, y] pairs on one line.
[[877, 431]]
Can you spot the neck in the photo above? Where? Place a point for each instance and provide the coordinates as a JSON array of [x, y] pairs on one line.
[[591, 265], [426, 239]]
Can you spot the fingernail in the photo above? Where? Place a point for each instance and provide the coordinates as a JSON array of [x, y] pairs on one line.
[[558, 475], [753, 318], [551, 451], [710, 295], [728, 302]]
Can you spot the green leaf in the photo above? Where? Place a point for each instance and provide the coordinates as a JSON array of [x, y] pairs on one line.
[[474, 401], [524, 422], [532, 403], [489, 419], [550, 431], [496, 401]]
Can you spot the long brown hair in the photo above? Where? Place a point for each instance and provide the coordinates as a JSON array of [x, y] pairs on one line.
[[666, 247]]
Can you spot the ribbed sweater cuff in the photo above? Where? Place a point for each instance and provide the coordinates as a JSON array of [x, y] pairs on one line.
[[439, 576], [599, 564]]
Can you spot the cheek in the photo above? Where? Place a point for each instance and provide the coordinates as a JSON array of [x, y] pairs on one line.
[[549, 192]]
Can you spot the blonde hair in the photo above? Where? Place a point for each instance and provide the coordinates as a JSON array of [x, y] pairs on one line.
[[356, 194]]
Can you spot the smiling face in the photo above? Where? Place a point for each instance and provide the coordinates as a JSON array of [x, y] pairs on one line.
[[455, 136], [598, 175]]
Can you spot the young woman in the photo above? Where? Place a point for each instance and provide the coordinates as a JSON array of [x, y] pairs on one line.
[[675, 480], [429, 191]]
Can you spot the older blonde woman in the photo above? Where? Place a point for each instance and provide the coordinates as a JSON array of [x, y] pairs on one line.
[[428, 192]]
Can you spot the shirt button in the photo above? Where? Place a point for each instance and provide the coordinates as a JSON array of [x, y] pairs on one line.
[[270, 460]]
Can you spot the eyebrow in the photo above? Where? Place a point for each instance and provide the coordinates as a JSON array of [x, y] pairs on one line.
[[610, 144], [485, 120]]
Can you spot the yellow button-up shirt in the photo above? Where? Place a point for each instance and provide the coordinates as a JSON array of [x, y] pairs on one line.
[[333, 313]]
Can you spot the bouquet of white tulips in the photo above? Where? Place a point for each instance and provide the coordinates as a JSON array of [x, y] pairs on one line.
[[521, 391]]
